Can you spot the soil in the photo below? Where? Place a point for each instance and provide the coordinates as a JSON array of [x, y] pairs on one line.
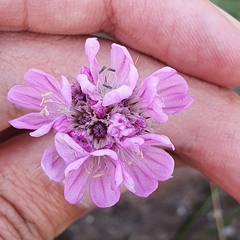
[[181, 209]]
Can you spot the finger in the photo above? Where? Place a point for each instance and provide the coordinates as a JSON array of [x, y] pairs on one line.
[[9, 133], [207, 135], [31, 206], [192, 36]]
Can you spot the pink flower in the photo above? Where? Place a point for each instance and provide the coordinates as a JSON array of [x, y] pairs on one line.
[[103, 124], [49, 98], [99, 170], [163, 93]]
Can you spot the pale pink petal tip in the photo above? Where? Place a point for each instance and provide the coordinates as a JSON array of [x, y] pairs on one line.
[[53, 165]]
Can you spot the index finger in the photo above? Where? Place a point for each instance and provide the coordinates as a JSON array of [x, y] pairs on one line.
[[192, 36]]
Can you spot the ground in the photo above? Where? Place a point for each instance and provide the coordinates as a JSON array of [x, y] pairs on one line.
[[181, 209]]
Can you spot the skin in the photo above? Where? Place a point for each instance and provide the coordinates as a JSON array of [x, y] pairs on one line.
[[201, 42]]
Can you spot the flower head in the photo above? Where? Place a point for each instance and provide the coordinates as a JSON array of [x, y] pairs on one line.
[[103, 124]]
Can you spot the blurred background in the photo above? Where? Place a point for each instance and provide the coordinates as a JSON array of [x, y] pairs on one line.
[[187, 207]]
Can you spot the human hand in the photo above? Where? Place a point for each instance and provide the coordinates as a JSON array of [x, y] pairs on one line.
[[204, 135]]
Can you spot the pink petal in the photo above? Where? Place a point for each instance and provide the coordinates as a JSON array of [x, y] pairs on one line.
[[91, 49], [42, 80], [33, 121], [150, 102], [128, 181], [148, 90], [66, 91], [105, 152], [119, 55], [61, 124], [157, 140], [25, 96], [75, 185], [154, 162], [149, 87], [122, 62], [113, 158], [176, 103], [164, 92], [45, 128], [68, 149], [117, 95], [156, 110], [53, 165], [161, 116], [120, 126], [164, 73], [86, 71], [174, 93], [87, 87], [133, 143], [75, 165], [42, 130], [138, 182], [101, 190], [30, 121]]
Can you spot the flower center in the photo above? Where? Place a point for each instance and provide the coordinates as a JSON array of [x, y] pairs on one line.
[[80, 97], [84, 118], [123, 103], [99, 130], [94, 126]]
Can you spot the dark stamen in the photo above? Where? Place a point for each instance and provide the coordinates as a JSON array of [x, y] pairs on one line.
[[111, 70], [106, 86], [103, 68]]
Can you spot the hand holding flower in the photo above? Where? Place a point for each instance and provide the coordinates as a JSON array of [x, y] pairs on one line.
[[105, 137], [204, 137]]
